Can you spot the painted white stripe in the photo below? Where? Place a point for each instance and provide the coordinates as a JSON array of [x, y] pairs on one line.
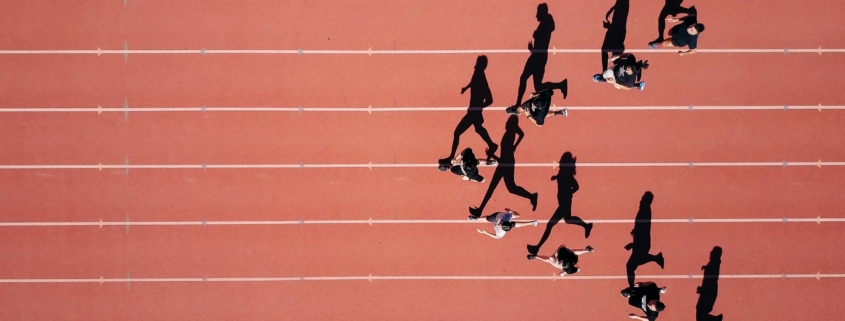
[[390, 52], [780, 220], [425, 278], [371, 166], [394, 109]]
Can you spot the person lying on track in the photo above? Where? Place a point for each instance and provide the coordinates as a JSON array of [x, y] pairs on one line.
[[625, 72], [502, 223], [563, 259], [466, 166], [537, 107], [682, 35], [646, 297]]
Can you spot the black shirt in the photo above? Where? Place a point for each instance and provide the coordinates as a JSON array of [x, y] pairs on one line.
[[620, 72], [540, 106], [641, 296], [682, 37], [472, 170]]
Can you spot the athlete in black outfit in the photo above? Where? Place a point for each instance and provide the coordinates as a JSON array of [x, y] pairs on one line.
[[646, 297], [537, 108], [682, 35]]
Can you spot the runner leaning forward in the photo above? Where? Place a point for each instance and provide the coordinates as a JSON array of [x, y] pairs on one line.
[[537, 107]]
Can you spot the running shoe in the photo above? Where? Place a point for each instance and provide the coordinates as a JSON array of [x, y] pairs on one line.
[[597, 78], [642, 85]]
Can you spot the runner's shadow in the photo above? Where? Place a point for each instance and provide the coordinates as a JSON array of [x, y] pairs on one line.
[[641, 244], [535, 67], [671, 8], [505, 169], [709, 288], [566, 187], [480, 97], [617, 30]]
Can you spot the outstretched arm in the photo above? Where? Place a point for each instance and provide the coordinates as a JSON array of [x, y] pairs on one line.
[[486, 233], [688, 52], [636, 317]]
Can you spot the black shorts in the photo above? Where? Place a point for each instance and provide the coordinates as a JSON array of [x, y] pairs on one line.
[[675, 42]]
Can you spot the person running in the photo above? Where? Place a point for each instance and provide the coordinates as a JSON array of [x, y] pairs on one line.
[[537, 108], [503, 223], [466, 166], [682, 35], [563, 259], [625, 73], [671, 8], [646, 297]]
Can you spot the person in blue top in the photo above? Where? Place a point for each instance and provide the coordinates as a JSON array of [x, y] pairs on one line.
[[682, 35]]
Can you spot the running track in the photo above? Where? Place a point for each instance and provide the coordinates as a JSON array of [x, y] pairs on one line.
[[771, 270]]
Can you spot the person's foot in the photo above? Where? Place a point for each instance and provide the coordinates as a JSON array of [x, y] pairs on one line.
[[590, 249], [629, 246], [491, 162], [597, 77], [534, 201], [511, 110], [531, 256], [587, 230], [533, 223], [654, 45], [533, 249], [444, 164], [472, 218], [563, 112], [663, 290], [474, 211], [641, 86], [660, 260], [465, 178], [564, 87], [491, 150]]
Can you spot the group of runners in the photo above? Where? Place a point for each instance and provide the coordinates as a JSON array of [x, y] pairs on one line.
[[624, 72]]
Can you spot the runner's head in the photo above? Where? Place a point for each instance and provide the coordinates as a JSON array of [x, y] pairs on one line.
[[570, 269], [695, 29], [481, 63], [637, 67]]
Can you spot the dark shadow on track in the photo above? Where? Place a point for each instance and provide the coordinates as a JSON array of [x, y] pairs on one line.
[[641, 244], [709, 288], [566, 187]]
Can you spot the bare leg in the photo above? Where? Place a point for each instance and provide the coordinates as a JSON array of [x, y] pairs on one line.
[[522, 223]]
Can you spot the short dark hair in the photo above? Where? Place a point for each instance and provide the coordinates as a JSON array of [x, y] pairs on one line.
[[699, 27], [660, 306]]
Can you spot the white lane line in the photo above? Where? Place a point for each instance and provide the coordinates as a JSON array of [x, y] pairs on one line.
[[370, 165], [370, 278], [204, 223], [370, 51], [371, 110]]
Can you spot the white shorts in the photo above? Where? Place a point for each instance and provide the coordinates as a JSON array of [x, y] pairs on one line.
[[609, 75]]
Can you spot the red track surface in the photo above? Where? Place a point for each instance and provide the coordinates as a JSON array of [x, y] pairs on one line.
[[406, 137]]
